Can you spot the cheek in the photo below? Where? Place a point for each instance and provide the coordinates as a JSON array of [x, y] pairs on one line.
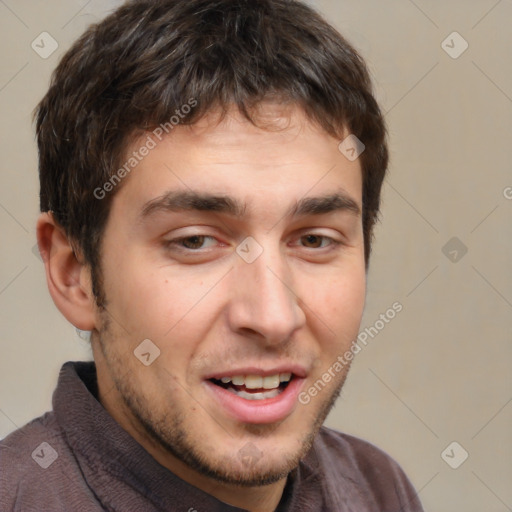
[[173, 310], [349, 295], [150, 300], [339, 305]]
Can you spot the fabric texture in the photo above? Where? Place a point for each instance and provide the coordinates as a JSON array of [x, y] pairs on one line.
[[78, 458]]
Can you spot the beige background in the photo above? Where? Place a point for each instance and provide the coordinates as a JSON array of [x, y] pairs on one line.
[[440, 371]]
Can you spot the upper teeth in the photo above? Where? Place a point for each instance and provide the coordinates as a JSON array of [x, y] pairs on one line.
[[257, 381]]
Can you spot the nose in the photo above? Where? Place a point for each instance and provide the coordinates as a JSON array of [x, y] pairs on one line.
[[264, 303]]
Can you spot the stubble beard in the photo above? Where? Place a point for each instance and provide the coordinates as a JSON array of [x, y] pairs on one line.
[[167, 429]]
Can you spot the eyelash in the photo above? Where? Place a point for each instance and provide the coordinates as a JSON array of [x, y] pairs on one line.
[[175, 243]]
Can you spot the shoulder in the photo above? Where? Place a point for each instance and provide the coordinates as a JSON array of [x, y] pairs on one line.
[[350, 451], [369, 472], [41, 471], [18, 450]]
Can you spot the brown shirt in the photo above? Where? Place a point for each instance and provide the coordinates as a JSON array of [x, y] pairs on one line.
[[77, 458]]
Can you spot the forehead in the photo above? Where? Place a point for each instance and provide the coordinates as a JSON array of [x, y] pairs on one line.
[[286, 155]]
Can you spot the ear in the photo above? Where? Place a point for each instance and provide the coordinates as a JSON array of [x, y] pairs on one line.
[[68, 279]]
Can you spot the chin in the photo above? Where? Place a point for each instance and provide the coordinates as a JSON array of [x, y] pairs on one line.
[[251, 466], [248, 460]]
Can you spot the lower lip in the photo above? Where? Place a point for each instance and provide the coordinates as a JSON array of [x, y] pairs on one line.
[[268, 410]]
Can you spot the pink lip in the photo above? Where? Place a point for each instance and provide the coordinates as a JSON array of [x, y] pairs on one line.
[[296, 370], [269, 410]]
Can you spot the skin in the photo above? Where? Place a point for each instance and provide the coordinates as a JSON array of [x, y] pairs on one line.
[[206, 309]]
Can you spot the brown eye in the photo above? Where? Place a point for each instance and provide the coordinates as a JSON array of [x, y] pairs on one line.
[[193, 242], [312, 241]]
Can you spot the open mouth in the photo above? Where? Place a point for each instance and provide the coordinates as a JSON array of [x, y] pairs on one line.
[[256, 397], [255, 387]]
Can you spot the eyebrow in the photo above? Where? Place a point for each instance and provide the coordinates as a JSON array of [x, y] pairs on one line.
[[190, 201]]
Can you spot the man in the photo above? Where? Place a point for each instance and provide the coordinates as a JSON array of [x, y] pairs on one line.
[[202, 220]]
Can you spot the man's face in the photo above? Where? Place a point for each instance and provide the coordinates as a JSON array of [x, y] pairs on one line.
[[231, 316]]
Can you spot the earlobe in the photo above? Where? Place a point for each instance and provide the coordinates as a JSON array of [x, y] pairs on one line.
[[68, 278]]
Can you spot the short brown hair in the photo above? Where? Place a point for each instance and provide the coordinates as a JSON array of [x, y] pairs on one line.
[[131, 71]]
